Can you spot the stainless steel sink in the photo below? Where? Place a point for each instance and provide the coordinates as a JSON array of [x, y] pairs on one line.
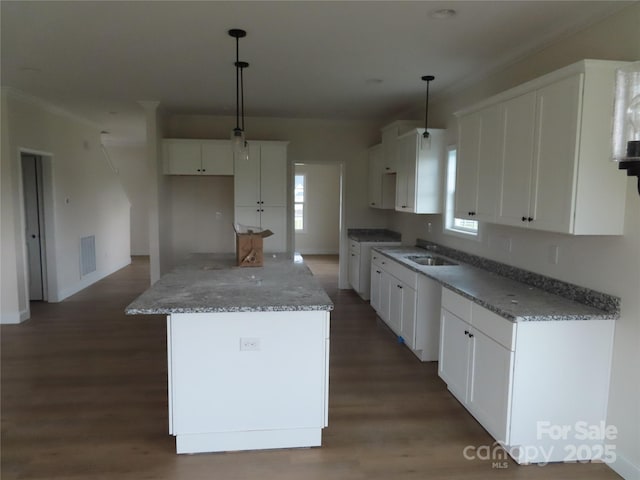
[[430, 260]]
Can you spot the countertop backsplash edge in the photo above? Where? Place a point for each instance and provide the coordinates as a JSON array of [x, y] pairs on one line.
[[586, 296]]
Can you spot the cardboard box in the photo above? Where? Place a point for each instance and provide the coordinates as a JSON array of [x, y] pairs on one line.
[[249, 252]]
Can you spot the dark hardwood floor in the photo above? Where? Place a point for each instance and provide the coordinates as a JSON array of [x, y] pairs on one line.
[[84, 396]]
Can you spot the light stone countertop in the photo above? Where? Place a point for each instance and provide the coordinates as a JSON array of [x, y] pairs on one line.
[[508, 298], [213, 283]]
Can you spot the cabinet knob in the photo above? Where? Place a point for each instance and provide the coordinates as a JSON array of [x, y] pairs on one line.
[[377, 271], [471, 335], [524, 219], [466, 332], [353, 254], [257, 209], [204, 169], [373, 203], [199, 170], [399, 286], [387, 168], [530, 219]]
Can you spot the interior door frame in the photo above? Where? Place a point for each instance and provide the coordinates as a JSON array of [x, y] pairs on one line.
[[342, 230], [47, 225]]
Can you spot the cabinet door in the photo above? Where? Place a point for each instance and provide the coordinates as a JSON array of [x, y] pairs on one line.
[[275, 219], [184, 157], [273, 174], [406, 167], [389, 152], [453, 365], [249, 216], [354, 270], [395, 306], [555, 164], [375, 287], [375, 176], [467, 165], [488, 169], [385, 295], [490, 382], [217, 157], [408, 316], [246, 178], [518, 127]]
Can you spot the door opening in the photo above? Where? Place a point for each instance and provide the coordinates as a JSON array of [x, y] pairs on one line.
[[32, 183]]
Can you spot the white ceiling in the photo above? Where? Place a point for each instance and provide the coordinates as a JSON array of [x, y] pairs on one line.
[[329, 59]]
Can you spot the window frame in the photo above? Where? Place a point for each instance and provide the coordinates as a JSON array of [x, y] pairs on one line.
[[448, 224], [302, 203]]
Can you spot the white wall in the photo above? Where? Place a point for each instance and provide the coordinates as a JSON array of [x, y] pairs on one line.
[[607, 264], [201, 215], [311, 141], [86, 198], [321, 233], [133, 172]]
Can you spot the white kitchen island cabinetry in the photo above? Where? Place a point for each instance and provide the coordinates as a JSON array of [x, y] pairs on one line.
[[519, 379], [248, 353], [260, 191], [253, 396], [554, 136]]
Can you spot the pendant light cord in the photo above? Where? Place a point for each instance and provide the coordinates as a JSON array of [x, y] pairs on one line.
[[237, 83], [427, 78], [242, 96]]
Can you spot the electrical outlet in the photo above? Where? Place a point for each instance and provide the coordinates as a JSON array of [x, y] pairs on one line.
[[554, 254], [429, 227], [218, 215], [249, 344]]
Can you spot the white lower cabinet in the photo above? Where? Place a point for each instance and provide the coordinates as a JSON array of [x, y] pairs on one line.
[[360, 265], [409, 303], [526, 381]]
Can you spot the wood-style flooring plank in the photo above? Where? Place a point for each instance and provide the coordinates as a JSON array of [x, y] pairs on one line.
[[84, 396]]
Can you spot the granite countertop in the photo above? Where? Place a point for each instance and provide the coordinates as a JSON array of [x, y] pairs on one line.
[[513, 300], [373, 235], [213, 283]]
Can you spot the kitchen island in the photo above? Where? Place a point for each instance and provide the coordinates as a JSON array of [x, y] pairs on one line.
[[248, 353]]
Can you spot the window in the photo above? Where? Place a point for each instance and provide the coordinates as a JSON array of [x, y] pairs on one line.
[[298, 208], [456, 226]]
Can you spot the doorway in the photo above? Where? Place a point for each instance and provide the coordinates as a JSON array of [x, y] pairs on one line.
[[317, 208], [34, 216]]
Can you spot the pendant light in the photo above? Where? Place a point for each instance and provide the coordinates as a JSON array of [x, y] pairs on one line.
[[427, 78], [238, 140]]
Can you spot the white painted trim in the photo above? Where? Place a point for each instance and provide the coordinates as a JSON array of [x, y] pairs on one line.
[[625, 468], [11, 318], [47, 106], [87, 281], [320, 252], [25, 314]]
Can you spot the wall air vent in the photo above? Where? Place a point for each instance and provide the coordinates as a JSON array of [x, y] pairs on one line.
[[87, 255]]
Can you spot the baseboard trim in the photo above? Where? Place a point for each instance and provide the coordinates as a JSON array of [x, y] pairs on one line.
[[625, 468], [88, 281], [11, 318]]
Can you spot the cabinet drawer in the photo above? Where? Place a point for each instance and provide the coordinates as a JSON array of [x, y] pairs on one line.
[[494, 326], [404, 274], [456, 304]]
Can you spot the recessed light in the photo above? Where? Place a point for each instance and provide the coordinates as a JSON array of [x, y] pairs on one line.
[[442, 13]]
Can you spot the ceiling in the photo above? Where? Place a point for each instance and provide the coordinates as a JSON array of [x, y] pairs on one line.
[[328, 59]]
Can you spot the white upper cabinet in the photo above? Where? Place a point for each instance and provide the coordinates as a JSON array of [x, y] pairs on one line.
[[382, 184], [553, 147], [418, 171], [477, 169], [518, 127], [197, 157], [260, 191]]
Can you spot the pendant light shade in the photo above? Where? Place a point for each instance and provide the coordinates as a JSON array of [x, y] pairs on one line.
[[427, 78], [238, 140]]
